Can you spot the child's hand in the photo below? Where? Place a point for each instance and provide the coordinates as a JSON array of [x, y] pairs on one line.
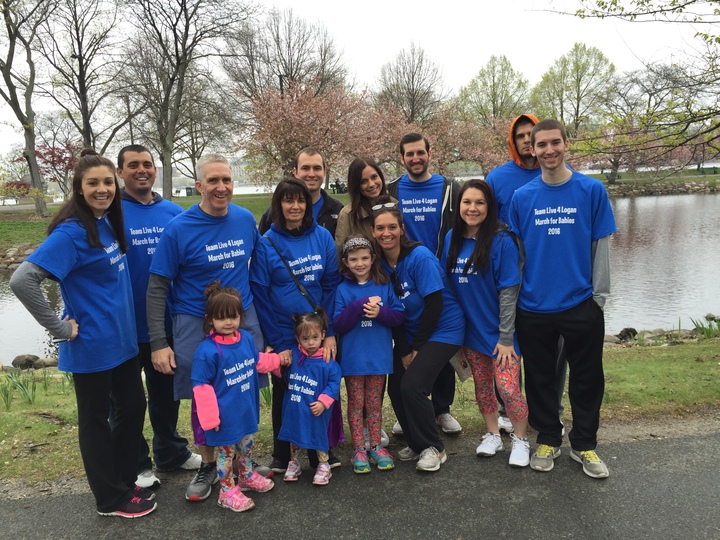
[[269, 349], [317, 408], [371, 309]]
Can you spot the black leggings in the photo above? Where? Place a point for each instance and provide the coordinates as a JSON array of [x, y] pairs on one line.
[[409, 392]]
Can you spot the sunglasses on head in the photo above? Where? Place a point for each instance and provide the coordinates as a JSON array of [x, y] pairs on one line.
[[386, 205]]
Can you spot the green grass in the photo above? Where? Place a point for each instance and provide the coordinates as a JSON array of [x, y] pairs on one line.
[[21, 226], [641, 382], [17, 232]]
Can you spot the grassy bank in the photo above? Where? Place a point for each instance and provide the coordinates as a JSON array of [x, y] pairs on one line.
[[641, 383], [17, 226]]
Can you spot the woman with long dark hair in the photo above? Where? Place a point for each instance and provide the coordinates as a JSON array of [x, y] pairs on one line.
[[432, 333], [482, 262], [85, 253], [366, 183]]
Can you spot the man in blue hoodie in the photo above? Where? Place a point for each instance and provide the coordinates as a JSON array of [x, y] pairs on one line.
[[146, 213]]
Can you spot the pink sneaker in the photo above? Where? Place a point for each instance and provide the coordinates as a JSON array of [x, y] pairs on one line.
[[234, 500], [322, 475], [293, 471], [256, 482]]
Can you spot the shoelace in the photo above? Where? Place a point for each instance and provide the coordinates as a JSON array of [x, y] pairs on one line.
[[545, 450], [202, 475], [517, 441], [591, 456]]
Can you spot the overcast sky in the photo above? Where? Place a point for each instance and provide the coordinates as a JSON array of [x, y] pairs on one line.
[[460, 37]]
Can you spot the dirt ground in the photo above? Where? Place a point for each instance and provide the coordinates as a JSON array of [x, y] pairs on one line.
[[611, 431]]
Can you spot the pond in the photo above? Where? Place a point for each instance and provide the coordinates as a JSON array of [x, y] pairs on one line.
[[664, 266]]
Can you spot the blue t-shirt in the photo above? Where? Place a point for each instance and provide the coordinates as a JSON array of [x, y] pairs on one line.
[[305, 383], [419, 274], [144, 223], [558, 225], [197, 248], [313, 259], [478, 293], [367, 348], [505, 180], [95, 287], [421, 207], [231, 370]]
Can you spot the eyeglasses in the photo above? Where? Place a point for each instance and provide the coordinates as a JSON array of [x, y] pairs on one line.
[[386, 205]]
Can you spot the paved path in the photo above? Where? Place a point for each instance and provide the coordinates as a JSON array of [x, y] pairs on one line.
[[661, 489]]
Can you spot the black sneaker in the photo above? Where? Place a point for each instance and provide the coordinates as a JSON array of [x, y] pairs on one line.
[[333, 461], [278, 466], [143, 493], [135, 507]]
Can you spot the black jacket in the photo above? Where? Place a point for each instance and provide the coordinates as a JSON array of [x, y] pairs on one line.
[[451, 190], [327, 217]]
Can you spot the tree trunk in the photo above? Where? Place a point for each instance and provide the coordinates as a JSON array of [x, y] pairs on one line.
[[35, 178], [612, 177], [167, 173]]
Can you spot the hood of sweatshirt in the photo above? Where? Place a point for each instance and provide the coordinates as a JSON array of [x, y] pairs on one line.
[[511, 139]]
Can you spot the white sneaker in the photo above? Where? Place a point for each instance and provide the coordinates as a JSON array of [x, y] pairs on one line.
[[397, 429], [520, 454], [384, 439], [407, 454], [562, 433], [505, 424], [490, 444], [192, 463], [430, 459], [448, 424], [148, 480]]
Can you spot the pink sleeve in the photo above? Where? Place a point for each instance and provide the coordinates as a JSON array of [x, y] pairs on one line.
[[207, 406], [326, 400], [269, 363]]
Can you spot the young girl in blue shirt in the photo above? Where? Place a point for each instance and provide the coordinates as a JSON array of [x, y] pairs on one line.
[[313, 385], [365, 310], [226, 390]]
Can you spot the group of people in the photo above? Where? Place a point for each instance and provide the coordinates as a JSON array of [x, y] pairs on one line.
[[383, 292]]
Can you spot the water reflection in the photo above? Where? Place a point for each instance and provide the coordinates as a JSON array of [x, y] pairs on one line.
[[664, 264], [19, 332], [664, 261]]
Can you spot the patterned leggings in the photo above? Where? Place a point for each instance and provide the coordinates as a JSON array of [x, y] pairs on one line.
[[484, 369], [364, 391], [323, 457], [243, 452]]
